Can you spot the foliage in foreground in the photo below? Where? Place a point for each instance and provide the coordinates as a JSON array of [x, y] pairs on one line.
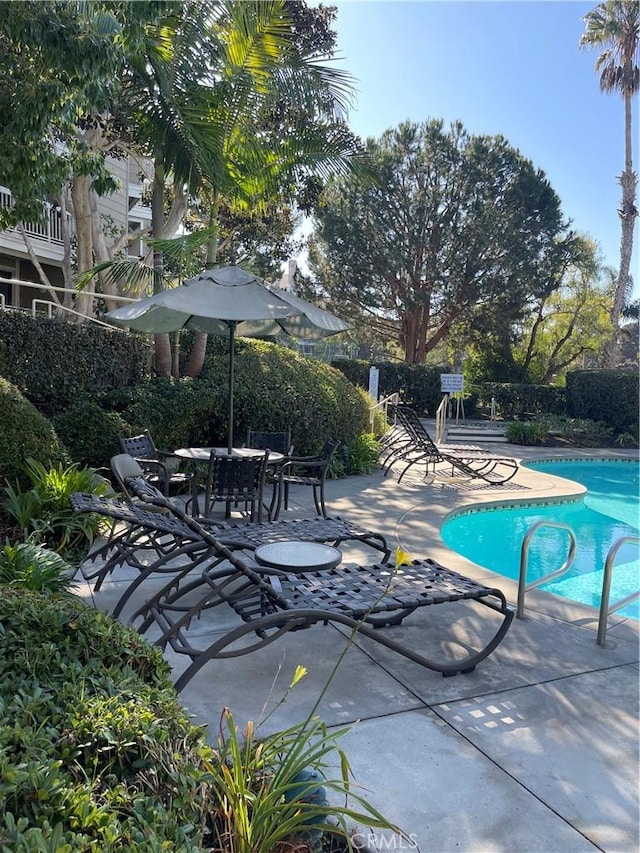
[[97, 753], [42, 512]]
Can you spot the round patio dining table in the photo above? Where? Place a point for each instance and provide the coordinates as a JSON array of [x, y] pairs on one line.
[[199, 455]]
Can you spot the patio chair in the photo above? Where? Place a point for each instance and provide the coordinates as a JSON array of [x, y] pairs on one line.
[[416, 447], [271, 602], [236, 481], [273, 441], [155, 463], [153, 542], [304, 471], [279, 441]]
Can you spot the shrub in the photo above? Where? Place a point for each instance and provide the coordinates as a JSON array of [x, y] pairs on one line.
[[276, 388], [24, 432], [418, 384], [361, 456], [177, 412], [90, 433], [33, 567], [610, 396], [96, 752], [526, 432], [515, 400]]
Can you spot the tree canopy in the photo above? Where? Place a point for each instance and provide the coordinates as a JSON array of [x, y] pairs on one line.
[[458, 230]]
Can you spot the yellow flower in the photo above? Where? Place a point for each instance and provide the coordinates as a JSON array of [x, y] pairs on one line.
[[300, 672], [402, 558]]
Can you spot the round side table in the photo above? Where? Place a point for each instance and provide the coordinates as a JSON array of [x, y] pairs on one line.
[[297, 556]]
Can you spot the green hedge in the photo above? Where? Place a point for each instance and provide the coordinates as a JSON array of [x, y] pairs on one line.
[[274, 389], [418, 384], [610, 396], [516, 400], [52, 361]]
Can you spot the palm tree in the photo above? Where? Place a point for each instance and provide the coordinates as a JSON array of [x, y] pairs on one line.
[[614, 26], [194, 98]]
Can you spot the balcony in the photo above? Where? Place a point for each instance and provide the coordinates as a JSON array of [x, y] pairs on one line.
[[46, 236]]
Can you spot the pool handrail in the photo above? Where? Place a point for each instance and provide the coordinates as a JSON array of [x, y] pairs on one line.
[[523, 586], [605, 609]]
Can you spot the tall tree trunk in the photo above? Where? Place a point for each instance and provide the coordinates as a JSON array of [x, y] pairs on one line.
[[162, 342], [199, 349], [65, 233], [628, 212], [80, 189]]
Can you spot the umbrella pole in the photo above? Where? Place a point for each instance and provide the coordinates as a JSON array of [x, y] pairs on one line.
[[232, 346]]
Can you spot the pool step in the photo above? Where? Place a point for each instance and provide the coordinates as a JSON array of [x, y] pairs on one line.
[[475, 434]]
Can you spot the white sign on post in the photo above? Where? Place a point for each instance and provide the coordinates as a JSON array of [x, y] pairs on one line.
[[374, 376], [451, 383]]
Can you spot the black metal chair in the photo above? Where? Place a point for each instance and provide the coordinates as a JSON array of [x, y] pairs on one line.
[[304, 471], [236, 481], [155, 464], [279, 442]]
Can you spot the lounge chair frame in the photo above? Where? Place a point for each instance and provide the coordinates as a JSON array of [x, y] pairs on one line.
[[412, 445], [270, 603], [153, 543]]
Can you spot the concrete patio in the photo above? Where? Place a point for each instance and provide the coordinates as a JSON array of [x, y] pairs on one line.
[[536, 750]]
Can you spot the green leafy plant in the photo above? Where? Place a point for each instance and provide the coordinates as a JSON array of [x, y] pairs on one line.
[[33, 567], [362, 454], [97, 753], [43, 512], [271, 792], [626, 439], [526, 432]]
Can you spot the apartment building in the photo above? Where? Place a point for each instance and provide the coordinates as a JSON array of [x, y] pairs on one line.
[[124, 210]]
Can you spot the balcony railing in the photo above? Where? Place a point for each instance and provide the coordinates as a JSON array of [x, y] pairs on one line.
[[50, 230]]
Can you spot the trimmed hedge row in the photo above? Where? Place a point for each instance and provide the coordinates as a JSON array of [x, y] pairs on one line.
[[52, 361], [418, 384], [610, 396], [516, 400], [274, 389]]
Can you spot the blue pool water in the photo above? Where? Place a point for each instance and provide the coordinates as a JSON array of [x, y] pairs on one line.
[[610, 509]]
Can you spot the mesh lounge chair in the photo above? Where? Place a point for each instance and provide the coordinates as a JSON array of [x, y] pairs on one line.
[[414, 446], [270, 603], [153, 542]]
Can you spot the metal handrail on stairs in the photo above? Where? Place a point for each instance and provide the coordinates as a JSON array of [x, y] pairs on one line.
[[381, 405], [523, 586], [605, 609], [441, 420]]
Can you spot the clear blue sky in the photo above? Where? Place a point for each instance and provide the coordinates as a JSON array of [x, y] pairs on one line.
[[512, 68]]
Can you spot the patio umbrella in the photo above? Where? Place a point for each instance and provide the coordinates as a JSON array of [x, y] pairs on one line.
[[228, 300]]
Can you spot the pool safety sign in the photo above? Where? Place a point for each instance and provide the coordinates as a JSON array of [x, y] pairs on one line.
[[451, 383]]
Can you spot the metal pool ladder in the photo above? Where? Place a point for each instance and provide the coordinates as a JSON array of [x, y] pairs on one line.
[[523, 586], [605, 609]]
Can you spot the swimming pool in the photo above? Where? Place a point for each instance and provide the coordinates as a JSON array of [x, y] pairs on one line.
[[610, 509]]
